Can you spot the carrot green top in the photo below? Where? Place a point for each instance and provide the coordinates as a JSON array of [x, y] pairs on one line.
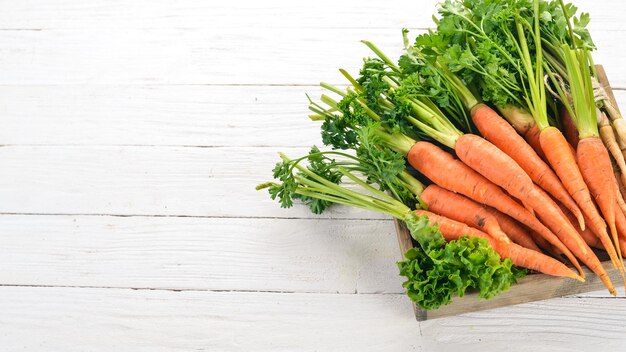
[[495, 45], [581, 101], [435, 270]]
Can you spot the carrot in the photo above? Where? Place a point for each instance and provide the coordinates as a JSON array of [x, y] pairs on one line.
[[562, 159], [532, 137], [524, 123], [620, 223], [453, 175], [520, 256], [516, 232], [622, 244], [605, 241], [496, 130], [569, 128], [459, 208], [590, 170], [618, 195], [620, 186], [610, 142], [544, 244], [591, 239], [595, 167], [499, 168]]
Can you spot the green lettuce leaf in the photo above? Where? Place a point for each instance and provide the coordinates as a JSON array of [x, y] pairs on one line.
[[437, 271]]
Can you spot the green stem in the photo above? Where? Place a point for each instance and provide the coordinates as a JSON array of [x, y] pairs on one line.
[[397, 141], [381, 55], [333, 89], [321, 188], [352, 81], [569, 24]]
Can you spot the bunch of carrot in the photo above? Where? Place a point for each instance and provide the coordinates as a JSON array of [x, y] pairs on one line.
[[493, 126]]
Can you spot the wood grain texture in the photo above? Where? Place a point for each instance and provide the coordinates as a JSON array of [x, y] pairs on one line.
[[240, 55], [66, 14], [165, 181], [63, 319], [212, 56], [556, 325], [158, 115], [67, 320], [226, 116], [334, 256], [97, 100]]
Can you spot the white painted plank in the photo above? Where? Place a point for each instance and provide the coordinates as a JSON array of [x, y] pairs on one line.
[[200, 254], [69, 319], [216, 182], [563, 324], [206, 55], [245, 116], [64, 319], [343, 256], [158, 115], [187, 55], [31, 14]]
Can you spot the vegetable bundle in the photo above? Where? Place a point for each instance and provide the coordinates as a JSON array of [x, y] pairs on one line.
[[490, 137]]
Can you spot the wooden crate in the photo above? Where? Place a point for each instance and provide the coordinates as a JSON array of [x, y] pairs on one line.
[[533, 287]]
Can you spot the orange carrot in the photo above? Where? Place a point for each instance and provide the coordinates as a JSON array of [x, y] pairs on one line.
[[499, 168], [532, 137], [595, 167], [453, 175], [499, 132], [459, 208], [622, 244], [520, 256], [544, 244], [620, 223], [605, 241], [569, 128], [562, 159], [621, 204], [591, 239], [516, 232]]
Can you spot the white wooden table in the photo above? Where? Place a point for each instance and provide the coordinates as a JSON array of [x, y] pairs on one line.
[[132, 135]]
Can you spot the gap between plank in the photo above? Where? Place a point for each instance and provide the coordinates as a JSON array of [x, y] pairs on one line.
[[241, 291], [187, 216], [197, 289]]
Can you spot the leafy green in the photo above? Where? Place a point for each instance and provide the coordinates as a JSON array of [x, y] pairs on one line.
[[339, 130], [436, 271], [478, 40], [324, 167]]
